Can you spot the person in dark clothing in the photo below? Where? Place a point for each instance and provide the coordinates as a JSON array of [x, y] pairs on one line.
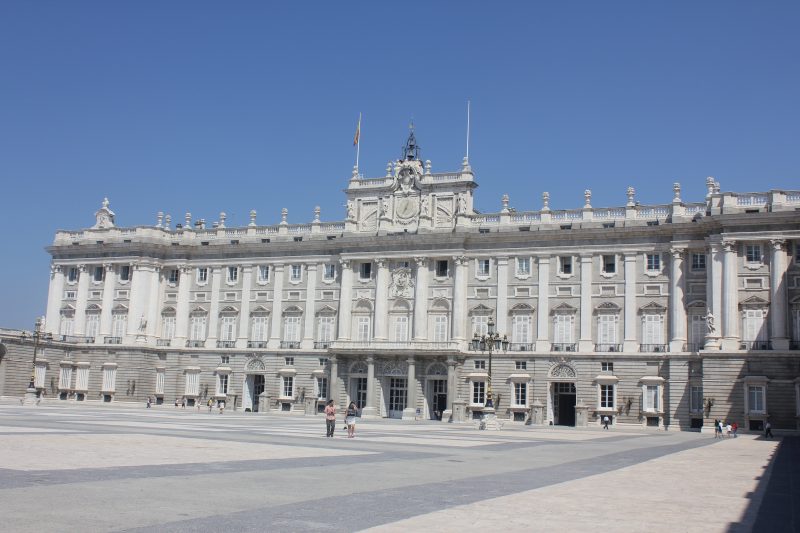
[[330, 418]]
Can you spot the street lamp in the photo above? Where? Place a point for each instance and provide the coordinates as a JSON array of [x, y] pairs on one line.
[[492, 342], [31, 393]]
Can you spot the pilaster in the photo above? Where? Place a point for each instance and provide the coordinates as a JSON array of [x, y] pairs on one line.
[[277, 308], [410, 412], [109, 281], [311, 302], [460, 297], [630, 327], [778, 295], [381, 299], [502, 295], [585, 342], [677, 305], [345, 299], [182, 307], [543, 313], [244, 307], [80, 301], [421, 300], [213, 313], [371, 409], [730, 297], [55, 296]]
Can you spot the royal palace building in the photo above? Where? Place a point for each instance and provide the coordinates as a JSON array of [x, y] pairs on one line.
[[416, 306]]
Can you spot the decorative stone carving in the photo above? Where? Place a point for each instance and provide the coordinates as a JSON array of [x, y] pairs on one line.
[[563, 370], [359, 367], [402, 283], [104, 217], [394, 368], [255, 365]]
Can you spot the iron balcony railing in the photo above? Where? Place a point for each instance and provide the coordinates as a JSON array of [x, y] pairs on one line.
[[226, 344], [521, 347], [256, 344], [755, 345], [654, 348], [112, 340], [195, 344], [163, 342], [607, 347], [322, 345], [290, 345], [562, 347], [693, 347]]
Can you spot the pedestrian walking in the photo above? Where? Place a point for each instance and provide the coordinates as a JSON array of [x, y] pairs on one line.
[[330, 418], [221, 407], [605, 422], [716, 428], [210, 404], [730, 430], [350, 419], [721, 429], [148, 402], [768, 430], [735, 428]]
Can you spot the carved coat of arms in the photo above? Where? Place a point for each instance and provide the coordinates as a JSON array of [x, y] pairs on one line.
[[402, 284]]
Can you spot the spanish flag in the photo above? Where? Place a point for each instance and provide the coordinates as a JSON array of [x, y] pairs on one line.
[[357, 136]]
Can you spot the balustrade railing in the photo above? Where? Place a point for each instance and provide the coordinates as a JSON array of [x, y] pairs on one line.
[[521, 347], [322, 345], [562, 347], [195, 344], [395, 345], [290, 345], [755, 345], [693, 346], [256, 344], [163, 342], [654, 348], [112, 340], [226, 344], [604, 347]]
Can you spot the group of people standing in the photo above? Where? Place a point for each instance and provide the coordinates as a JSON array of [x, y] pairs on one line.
[[349, 419], [720, 428]]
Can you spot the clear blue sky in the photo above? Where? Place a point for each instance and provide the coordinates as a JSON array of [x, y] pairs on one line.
[[211, 106]]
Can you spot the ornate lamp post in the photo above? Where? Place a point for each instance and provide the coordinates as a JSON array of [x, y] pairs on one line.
[[492, 342], [31, 392]]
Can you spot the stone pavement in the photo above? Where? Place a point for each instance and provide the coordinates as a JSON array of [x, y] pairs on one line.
[[112, 469]]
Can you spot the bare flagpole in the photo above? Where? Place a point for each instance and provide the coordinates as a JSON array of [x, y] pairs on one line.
[[357, 140], [467, 130]]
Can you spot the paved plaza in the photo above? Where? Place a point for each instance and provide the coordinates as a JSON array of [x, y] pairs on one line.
[[165, 469]]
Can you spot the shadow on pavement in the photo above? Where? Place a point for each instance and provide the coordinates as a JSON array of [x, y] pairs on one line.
[[775, 504]]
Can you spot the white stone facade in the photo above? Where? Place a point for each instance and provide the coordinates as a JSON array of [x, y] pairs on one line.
[[662, 315]]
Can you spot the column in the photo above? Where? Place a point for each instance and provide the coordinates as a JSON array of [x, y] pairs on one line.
[[213, 312], [182, 308], [459, 316], [55, 295], [585, 342], [155, 296], [381, 299], [714, 293], [677, 306], [730, 297], [630, 344], [370, 410], [277, 309], [109, 282], [311, 307], [502, 296], [410, 412], [421, 300], [333, 386], [80, 302], [451, 388], [244, 308], [778, 307], [345, 299], [543, 313]]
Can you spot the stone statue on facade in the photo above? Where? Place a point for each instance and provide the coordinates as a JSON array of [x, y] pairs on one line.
[[424, 207], [351, 210], [462, 204], [712, 329]]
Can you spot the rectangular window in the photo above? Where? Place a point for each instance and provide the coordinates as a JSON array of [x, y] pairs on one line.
[[565, 264], [263, 273], [521, 329], [288, 361], [484, 267], [698, 261], [607, 396], [440, 328], [752, 253], [479, 364], [172, 276], [478, 392], [296, 273], [754, 326], [109, 379], [441, 268], [291, 329], [67, 325], [480, 324], [325, 328], [227, 328], [167, 327], [197, 330], [696, 399], [365, 271], [609, 264], [400, 328], [288, 387], [523, 266], [202, 275], [607, 331], [222, 387], [258, 328], [521, 394], [697, 331], [607, 366], [755, 399], [233, 274], [653, 332], [562, 329], [125, 273], [653, 262], [70, 295], [98, 274], [521, 365], [72, 275], [224, 359], [651, 398], [322, 388], [329, 271], [120, 320], [363, 328], [92, 324]]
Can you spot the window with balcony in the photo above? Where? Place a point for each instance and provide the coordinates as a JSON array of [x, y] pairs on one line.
[[197, 328], [563, 330], [119, 322], [227, 328], [652, 332], [480, 325], [607, 332], [92, 323], [291, 329], [258, 329], [325, 328], [521, 337], [440, 333], [754, 329], [400, 328]]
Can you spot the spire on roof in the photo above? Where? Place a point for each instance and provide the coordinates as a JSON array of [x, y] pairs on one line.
[[411, 149]]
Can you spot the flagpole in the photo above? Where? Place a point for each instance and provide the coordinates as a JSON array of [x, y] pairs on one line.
[[358, 139], [467, 130]]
